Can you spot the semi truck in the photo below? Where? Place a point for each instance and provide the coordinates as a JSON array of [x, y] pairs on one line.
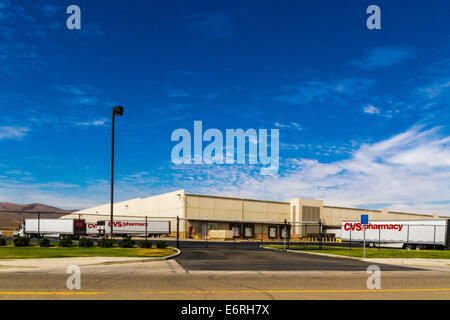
[[52, 228], [134, 228], [406, 234]]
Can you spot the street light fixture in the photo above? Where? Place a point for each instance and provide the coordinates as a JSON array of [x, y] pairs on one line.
[[119, 112]]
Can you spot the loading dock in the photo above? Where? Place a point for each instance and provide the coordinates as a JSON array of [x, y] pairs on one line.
[[247, 218]]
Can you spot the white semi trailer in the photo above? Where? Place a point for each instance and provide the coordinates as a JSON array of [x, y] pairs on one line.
[[53, 227], [134, 228], [407, 234]]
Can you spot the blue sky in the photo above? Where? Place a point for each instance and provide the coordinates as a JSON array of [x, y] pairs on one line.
[[363, 114]]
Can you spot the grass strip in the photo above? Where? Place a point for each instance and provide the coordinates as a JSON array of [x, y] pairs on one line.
[[372, 253]]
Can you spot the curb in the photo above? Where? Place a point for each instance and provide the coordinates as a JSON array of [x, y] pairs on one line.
[[174, 255], [405, 261], [140, 260], [313, 253], [150, 259], [400, 261]]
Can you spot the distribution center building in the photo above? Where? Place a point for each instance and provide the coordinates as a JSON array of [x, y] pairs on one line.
[[247, 218]]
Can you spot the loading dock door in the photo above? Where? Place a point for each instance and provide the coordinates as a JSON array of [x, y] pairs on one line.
[[282, 232], [236, 231], [273, 232], [249, 231]]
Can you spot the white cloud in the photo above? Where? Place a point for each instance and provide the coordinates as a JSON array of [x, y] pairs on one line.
[[324, 91], [370, 109], [92, 123], [436, 89], [12, 133], [409, 171], [291, 126], [71, 90], [384, 57], [84, 94]]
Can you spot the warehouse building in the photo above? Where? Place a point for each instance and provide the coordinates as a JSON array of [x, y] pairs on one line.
[[247, 218]]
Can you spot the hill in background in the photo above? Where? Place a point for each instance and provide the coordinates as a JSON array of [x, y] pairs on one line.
[[12, 220]]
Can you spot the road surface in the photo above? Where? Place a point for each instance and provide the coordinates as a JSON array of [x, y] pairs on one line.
[[225, 273]]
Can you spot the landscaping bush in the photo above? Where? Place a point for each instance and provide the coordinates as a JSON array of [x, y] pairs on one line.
[[21, 241], [147, 244], [106, 243], [2, 242], [126, 243], [86, 243], [161, 244], [45, 243], [66, 242]]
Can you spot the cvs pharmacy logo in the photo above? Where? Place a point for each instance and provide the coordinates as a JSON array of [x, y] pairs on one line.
[[353, 227], [359, 227], [117, 224]]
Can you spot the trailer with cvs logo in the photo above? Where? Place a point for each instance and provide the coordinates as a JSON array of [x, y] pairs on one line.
[[53, 228], [134, 228], [406, 234]]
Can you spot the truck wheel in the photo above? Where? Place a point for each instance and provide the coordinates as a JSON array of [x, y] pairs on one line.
[[419, 247], [410, 247], [371, 245]]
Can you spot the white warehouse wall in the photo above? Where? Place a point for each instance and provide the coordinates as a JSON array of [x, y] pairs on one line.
[[165, 206]]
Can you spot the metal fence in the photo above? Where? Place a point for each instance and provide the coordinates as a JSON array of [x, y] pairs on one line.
[[189, 232], [84, 225], [306, 235], [252, 234]]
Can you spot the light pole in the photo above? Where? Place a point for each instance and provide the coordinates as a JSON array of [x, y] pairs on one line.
[[119, 112]]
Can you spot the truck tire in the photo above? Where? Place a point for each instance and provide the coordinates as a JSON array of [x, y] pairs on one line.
[[371, 244]]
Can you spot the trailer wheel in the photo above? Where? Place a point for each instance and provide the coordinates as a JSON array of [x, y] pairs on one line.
[[371, 245], [419, 247], [410, 247]]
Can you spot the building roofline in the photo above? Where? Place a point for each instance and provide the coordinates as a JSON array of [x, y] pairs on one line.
[[348, 208], [373, 210], [275, 222], [234, 198]]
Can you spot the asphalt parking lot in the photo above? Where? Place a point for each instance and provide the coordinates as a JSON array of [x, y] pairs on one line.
[[224, 272], [258, 259]]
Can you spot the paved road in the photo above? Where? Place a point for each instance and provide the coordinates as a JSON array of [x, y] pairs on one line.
[[229, 259], [242, 244], [227, 274], [255, 286]]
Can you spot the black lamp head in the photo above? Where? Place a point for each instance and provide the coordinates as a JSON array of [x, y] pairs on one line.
[[118, 110]]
